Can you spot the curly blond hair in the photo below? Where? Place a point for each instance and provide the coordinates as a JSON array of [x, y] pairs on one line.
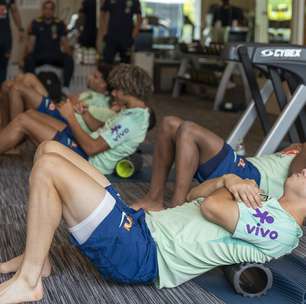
[[132, 80]]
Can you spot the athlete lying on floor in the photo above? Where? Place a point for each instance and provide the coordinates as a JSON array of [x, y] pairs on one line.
[[199, 153], [130, 246]]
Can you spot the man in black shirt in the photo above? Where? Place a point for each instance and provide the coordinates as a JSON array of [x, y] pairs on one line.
[[48, 43], [117, 28], [88, 35], [227, 15], [7, 7]]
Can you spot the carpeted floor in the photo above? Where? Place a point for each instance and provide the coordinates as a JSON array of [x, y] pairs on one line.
[[73, 279]]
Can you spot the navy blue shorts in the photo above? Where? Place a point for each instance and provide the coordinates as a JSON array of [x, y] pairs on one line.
[[66, 138], [48, 107], [225, 162], [121, 247]]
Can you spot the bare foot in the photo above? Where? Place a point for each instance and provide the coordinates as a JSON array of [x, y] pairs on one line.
[[148, 205], [14, 264], [18, 291]]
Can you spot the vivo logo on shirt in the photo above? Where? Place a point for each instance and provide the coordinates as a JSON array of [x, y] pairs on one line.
[[281, 53], [257, 230], [119, 132]]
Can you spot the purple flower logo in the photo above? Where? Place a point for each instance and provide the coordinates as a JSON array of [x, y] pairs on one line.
[[116, 129], [264, 216]]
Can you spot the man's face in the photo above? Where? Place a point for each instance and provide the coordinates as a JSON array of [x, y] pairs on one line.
[[97, 83], [296, 184], [48, 10], [119, 97]]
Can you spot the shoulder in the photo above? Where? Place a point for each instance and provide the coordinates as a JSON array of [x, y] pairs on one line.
[[38, 20]]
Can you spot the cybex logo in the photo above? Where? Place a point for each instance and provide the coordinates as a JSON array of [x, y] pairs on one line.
[[281, 53]]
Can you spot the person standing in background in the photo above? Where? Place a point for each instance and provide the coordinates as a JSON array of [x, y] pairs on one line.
[[117, 30], [88, 12], [48, 44], [7, 7], [227, 15]]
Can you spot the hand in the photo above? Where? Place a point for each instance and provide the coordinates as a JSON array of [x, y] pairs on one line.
[[245, 190], [80, 108], [66, 109], [74, 99]]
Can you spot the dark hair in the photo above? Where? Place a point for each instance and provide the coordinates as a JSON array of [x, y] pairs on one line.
[[132, 80], [49, 2], [105, 69], [152, 119]]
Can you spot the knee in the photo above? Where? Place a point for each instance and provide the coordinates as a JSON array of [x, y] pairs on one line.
[[46, 147], [28, 79], [170, 123], [14, 88], [7, 86], [186, 130], [45, 167], [20, 120]]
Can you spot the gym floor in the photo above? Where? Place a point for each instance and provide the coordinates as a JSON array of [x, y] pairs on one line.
[[73, 279]]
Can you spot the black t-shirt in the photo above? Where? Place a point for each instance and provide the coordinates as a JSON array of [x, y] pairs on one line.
[[48, 35], [89, 33], [226, 14], [121, 13], [5, 7]]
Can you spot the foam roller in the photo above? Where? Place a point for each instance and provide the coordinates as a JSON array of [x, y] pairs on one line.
[[249, 279], [128, 166]]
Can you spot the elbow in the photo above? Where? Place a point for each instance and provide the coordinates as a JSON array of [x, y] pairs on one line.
[[210, 208], [94, 149]]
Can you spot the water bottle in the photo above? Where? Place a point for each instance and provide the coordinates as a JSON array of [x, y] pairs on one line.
[[240, 149]]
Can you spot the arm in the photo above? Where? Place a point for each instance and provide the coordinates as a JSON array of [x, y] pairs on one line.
[[17, 18], [137, 26], [220, 208], [103, 23], [64, 40], [206, 188], [92, 123], [31, 40], [89, 145], [65, 46], [82, 109], [241, 189]]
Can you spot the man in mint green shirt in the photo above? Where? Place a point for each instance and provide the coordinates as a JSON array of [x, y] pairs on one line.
[[128, 246], [201, 154], [109, 141]]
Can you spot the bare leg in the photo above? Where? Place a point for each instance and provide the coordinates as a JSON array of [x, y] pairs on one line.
[[21, 127], [14, 264], [57, 189], [4, 100], [163, 158], [23, 98], [4, 110], [195, 145], [31, 81], [54, 147]]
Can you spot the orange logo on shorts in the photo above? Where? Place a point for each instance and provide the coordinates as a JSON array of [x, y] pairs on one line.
[[52, 106], [128, 225], [241, 163]]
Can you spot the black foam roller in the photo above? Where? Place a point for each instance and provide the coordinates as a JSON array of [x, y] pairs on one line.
[[249, 279]]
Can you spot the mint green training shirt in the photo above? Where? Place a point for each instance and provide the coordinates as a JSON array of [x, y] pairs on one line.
[[123, 134], [189, 245], [98, 107], [273, 169]]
